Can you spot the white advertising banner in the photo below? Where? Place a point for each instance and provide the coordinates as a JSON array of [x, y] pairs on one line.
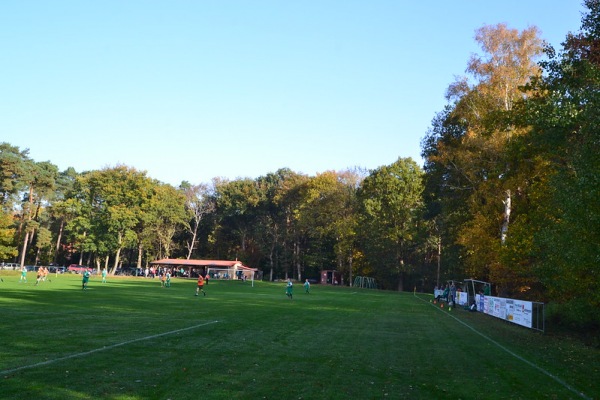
[[516, 311], [462, 298]]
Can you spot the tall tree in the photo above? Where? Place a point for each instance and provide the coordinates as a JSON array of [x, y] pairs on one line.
[[236, 203], [40, 180], [471, 142], [275, 218], [115, 198], [391, 200], [564, 117], [328, 213], [162, 217], [199, 201], [62, 208]]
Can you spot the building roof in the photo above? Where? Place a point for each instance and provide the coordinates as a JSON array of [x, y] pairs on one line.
[[202, 263]]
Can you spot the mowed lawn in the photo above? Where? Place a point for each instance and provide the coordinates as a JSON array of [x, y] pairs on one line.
[[132, 339]]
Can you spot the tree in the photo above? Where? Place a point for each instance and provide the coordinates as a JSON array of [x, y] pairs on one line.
[[236, 203], [275, 219], [564, 120], [14, 165], [328, 213], [391, 200], [40, 179], [114, 199], [199, 201], [7, 248], [469, 148], [162, 217], [63, 207]]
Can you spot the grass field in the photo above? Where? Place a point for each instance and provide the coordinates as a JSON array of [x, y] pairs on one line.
[[132, 339]]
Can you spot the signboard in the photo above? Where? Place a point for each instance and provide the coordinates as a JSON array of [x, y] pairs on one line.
[[516, 311]]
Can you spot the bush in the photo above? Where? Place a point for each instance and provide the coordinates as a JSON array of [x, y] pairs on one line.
[[574, 318]]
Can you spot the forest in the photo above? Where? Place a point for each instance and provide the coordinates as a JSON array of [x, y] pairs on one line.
[[508, 194]]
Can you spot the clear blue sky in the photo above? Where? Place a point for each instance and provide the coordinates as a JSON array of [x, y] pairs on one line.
[[192, 90]]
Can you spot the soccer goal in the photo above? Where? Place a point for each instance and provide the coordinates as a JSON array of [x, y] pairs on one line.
[[365, 282], [220, 273], [230, 274]]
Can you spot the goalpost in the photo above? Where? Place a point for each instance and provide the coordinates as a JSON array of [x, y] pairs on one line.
[[365, 282]]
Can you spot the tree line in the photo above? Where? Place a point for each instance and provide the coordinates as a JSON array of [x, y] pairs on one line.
[[508, 193]]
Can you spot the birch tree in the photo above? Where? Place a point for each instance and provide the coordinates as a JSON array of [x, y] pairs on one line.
[[199, 202]]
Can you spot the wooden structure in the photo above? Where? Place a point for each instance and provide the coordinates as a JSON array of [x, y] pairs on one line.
[[197, 267], [331, 277]]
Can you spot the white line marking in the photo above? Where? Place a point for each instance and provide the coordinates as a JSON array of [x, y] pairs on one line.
[[112, 346], [557, 379]]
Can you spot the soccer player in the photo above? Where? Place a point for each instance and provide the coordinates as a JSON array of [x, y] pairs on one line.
[[23, 277], [104, 273], [306, 286], [288, 290], [200, 287], [40, 275], [168, 277], [84, 281]]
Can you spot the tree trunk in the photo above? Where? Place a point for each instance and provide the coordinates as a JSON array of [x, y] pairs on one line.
[[58, 239], [24, 249], [401, 276], [191, 245], [117, 254], [81, 252], [116, 264], [506, 218], [272, 263], [298, 263], [350, 268], [139, 258], [439, 261]]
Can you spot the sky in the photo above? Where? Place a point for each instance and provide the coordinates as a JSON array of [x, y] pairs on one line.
[[194, 90]]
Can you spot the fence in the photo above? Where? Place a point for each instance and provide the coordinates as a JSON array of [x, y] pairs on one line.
[[529, 314]]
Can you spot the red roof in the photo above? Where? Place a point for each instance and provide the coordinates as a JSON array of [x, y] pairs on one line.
[[202, 263]]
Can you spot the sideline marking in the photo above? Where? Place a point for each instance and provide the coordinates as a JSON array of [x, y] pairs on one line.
[[557, 379], [112, 346]]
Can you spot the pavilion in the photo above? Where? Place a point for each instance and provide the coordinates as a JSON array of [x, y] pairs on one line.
[[206, 265]]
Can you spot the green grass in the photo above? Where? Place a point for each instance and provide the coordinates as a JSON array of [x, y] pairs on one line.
[[132, 339]]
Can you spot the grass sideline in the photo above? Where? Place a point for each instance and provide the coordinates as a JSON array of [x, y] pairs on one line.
[[131, 339]]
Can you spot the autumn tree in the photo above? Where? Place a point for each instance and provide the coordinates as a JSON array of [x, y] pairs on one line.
[[564, 117], [275, 225], [328, 213], [468, 147]]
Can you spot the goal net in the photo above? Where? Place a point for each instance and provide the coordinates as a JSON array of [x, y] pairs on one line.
[[365, 282], [221, 273], [230, 274]]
